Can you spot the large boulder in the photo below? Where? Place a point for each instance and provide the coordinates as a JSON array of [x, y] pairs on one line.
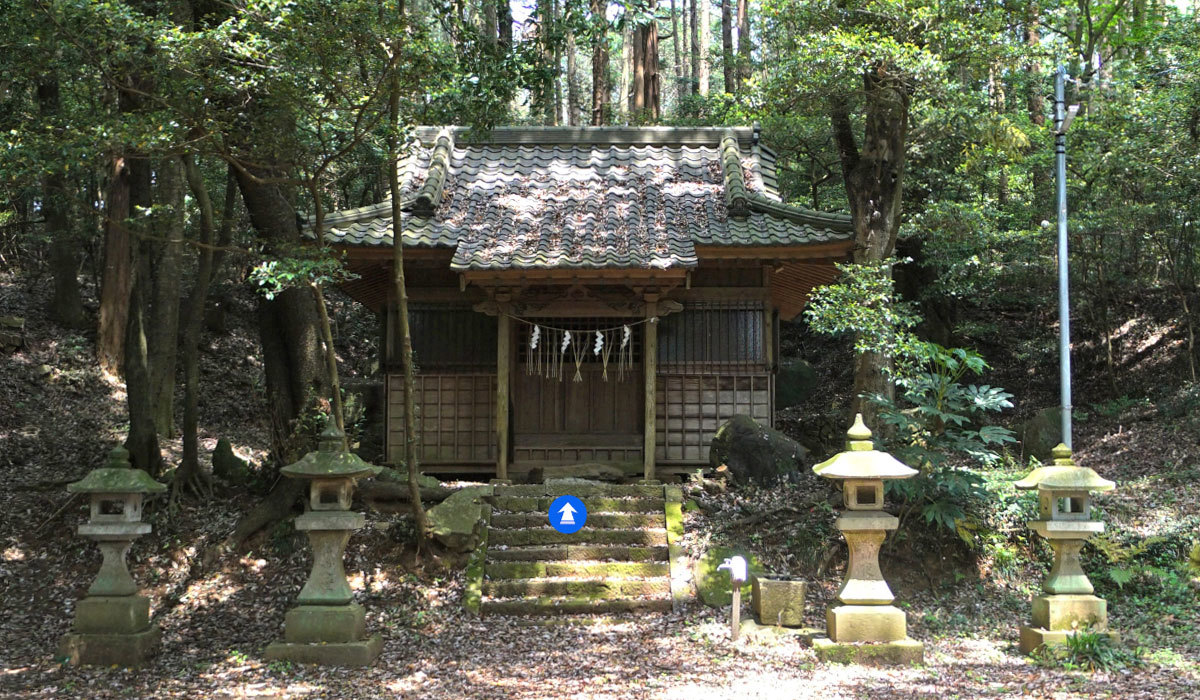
[[457, 522], [712, 584], [1041, 433], [753, 452], [227, 465]]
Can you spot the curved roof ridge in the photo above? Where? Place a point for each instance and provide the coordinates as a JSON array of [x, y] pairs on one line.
[[737, 197], [429, 196]]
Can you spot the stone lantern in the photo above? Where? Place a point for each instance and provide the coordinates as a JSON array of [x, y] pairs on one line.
[[112, 624], [328, 627], [864, 626], [1064, 512]]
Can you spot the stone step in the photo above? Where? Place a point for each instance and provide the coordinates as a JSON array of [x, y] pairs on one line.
[[599, 520], [564, 552], [546, 535], [497, 570], [582, 490], [592, 589], [573, 606], [533, 504]]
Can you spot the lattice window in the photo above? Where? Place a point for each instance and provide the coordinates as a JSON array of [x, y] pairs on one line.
[[713, 336], [446, 337]]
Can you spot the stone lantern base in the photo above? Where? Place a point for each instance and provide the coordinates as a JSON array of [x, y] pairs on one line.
[[1056, 617], [111, 631], [329, 635], [868, 634]]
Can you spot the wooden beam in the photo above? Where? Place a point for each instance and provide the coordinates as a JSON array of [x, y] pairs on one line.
[[836, 251], [503, 362], [650, 363]]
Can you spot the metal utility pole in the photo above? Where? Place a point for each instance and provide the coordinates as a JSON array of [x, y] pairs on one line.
[[1062, 121]]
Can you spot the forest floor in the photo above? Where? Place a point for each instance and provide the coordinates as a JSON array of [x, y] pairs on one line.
[[59, 415]]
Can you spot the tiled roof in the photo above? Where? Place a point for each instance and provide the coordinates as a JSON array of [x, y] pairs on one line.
[[528, 198]]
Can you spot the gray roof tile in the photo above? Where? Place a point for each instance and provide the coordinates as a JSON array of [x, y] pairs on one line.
[[552, 198]]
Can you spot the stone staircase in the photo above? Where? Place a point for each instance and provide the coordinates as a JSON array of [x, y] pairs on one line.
[[619, 562]]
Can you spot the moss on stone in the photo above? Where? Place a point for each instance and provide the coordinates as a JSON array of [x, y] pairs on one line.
[[712, 584], [532, 569]]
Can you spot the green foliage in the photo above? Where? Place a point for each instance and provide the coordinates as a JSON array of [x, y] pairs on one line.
[[936, 424], [305, 266], [1087, 650]]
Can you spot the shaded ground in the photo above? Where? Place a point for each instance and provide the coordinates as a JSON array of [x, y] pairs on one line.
[[57, 421]]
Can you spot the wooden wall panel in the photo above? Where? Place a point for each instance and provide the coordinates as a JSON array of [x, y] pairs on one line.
[[456, 416], [690, 407]]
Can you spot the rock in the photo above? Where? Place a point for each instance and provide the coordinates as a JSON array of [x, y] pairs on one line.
[[794, 383], [457, 522], [1041, 433], [712, 585], [596, 471], [755, 453], [228, 466]]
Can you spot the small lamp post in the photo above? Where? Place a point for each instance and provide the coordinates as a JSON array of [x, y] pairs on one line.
[[328, 627], [737, 576], [1064, 519], [865, 627], [112, 624]]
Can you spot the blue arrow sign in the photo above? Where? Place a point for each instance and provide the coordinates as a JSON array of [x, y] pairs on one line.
[[567, 514]]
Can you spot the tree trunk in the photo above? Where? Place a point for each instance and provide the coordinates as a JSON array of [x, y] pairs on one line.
[[694, 33], [401, 293], [142, 441], [574, 109], [116, 280], [744, 43], [189, 473], [727, 62], [287, 324], [874, 178], [66, 306], [162, 309], [704, 77], [505, 22], [491, 32], [626, 87], [677, 54], [644, 95], [600, 86]]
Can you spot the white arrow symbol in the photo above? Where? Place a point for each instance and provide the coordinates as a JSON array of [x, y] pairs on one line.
[[568, 514]]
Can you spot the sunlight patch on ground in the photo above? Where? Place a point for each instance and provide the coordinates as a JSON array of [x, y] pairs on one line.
[[14, 554]]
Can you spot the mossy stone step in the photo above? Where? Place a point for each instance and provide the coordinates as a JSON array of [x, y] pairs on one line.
[[582, 490], [497, 570], [547, 535], [573, 606], [599, 520], [579, 552], [533, 504], [598, 589]]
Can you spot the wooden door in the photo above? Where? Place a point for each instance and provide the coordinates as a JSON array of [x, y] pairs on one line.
[[567, 421]]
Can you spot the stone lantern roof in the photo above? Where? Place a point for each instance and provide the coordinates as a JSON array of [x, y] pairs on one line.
[[1065, 475], [331, 460], [118, 476], [861, 460]]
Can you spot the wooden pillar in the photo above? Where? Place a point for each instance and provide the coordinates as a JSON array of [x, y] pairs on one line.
[[650, 365], [503, 362]]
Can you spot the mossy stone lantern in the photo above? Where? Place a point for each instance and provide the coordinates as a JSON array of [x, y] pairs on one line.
[[328, 627], [1064, 518], [112, 624], [864, 626]]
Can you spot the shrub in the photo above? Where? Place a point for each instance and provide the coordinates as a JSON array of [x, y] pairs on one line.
[[1089, 651]]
